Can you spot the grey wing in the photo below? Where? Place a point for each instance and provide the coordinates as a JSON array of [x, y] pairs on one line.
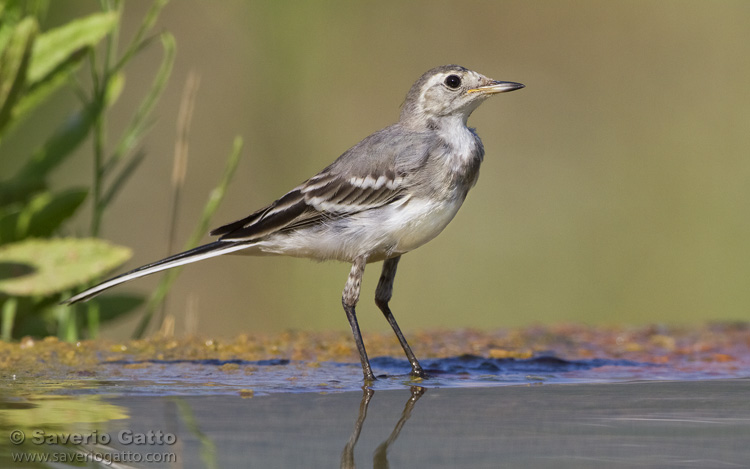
[[369, 175], [323, 197]]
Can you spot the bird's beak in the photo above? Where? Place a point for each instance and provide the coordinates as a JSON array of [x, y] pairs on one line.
[[494, 87]]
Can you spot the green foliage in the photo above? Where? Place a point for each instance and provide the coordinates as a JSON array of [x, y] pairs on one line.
[[42, 267], [41, 215], [34, 65], [62, 44], [112, 171], [15, 63], [38, 269], [35, 273]]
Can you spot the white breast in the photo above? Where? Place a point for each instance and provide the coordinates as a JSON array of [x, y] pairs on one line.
[[378, 234], [419, 221], [463, 143]]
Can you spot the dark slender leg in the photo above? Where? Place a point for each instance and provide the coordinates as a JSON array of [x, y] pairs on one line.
[[382, 297], [349, 300]]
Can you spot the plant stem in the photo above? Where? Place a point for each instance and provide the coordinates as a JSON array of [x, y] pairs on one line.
[[92, 319], [66, 323], [9, 316], [99, 137], [102, 83]]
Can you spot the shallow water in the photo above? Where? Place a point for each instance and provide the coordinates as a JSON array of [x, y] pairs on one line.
[[189, 377], [471, 412]]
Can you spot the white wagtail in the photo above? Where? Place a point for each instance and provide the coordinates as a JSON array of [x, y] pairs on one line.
[[390, 193]]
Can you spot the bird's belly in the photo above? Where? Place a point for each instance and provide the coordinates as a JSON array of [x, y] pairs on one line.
[[377, 234], [421, 221], [398, 228]]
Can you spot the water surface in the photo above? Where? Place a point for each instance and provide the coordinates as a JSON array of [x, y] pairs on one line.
[[472, 412]]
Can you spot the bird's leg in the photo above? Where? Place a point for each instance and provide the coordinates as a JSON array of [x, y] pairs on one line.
[[382, 297], [349, 300]]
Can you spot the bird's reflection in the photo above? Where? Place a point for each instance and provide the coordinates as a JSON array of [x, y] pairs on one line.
[[380, 457]]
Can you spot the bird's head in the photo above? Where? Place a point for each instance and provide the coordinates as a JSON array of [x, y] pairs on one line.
[[449, 91]]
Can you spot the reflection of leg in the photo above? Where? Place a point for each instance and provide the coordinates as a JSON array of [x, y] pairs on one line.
[[347, 456], [382, 297], [380, 457]]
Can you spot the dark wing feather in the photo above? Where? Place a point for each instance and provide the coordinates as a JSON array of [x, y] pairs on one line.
[[321, 198], [265, 220]]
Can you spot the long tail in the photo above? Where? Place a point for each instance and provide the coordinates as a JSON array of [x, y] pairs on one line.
[[206, 251]]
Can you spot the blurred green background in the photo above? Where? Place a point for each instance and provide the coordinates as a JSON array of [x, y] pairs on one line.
[[614, 189]]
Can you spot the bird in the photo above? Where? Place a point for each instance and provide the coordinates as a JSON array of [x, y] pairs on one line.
[[387, 195]]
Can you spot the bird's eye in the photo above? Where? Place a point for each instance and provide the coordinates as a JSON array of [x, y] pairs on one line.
[[453, 81]]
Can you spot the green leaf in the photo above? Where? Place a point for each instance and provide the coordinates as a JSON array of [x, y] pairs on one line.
[[39, 91], [69, 135], [18, 191], [14, 63], [15, 56], [46, 212], [57, 45], [8, 222], [45, 267], [8, 228], [6, 31], [30, 178]]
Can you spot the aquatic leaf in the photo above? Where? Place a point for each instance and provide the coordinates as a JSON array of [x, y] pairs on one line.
[[45, 267]]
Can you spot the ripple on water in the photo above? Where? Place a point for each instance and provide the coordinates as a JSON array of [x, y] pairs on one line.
[[211, 377]]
